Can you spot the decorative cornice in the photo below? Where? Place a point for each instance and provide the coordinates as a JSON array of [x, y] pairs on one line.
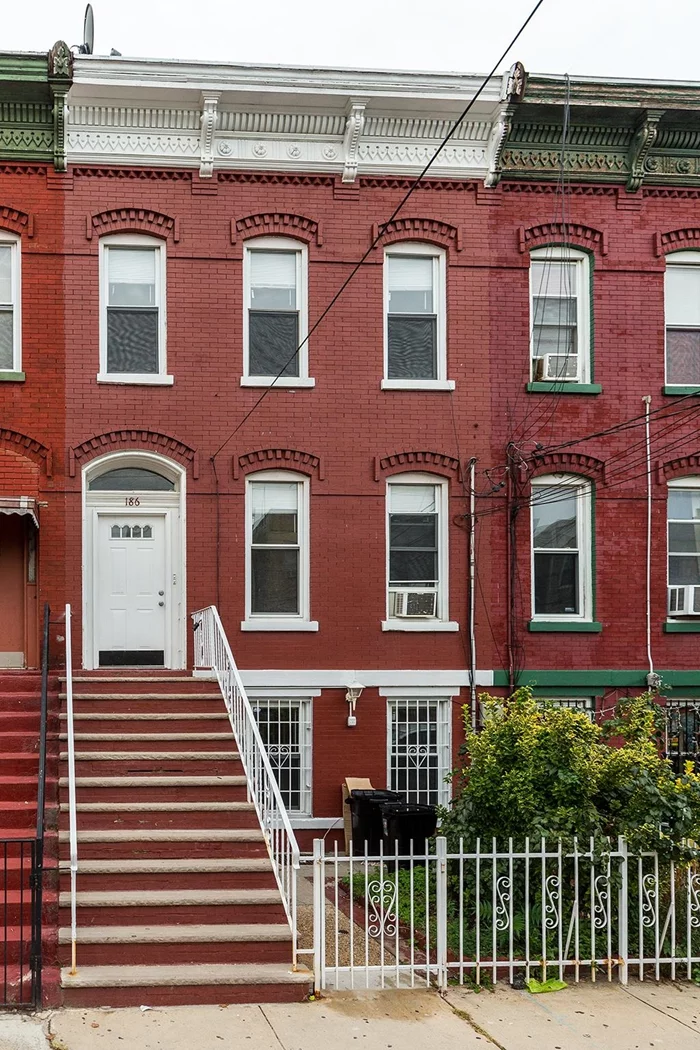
[[29, 447], [353, 130], [210, 102], [566, 462], [411, 228], [562, 233], [120, 219], [278, 459], [16, 221], [434, 462], [684, 466], [497, 138], [644, 138], [139, 174], [133, 438], [676, 240], [277, 224]]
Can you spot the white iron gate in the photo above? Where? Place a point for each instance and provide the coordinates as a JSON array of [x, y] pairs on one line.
[[530, 910]]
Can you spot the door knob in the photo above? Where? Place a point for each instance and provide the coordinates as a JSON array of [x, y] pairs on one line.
[[161, 603], [161, 593]]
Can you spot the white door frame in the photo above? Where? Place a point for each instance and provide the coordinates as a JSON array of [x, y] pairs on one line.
[[172, 506]]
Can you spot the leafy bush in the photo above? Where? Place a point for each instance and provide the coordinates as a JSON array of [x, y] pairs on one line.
[[537, 770]]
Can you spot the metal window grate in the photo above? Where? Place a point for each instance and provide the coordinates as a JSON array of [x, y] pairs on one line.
[[419, 748], [579, 703], [285, 727], [683, 732]]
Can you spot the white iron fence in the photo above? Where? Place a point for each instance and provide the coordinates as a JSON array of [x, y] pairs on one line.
[[495, 912], [213, 653]]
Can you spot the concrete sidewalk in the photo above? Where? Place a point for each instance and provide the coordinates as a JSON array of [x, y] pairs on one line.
[[583, 1017]]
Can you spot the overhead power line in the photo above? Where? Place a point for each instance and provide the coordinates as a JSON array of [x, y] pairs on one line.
[[409, 193]]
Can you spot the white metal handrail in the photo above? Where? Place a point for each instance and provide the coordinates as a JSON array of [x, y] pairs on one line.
[[213, 652], [72, 822]]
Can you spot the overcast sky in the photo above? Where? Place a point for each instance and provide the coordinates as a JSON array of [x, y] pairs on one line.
[[653, 39]]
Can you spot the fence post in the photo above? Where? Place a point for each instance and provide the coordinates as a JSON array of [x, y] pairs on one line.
[[622, 907], [441, 910], [319, 916]]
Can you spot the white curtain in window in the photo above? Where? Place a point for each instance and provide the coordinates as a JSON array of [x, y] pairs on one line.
[[273, 269], [683, 295], [132, 266], [412, 499], [5, 274], [270, 497], [553, 279], [410, 274]]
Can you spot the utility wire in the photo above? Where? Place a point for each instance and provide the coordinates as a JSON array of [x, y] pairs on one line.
[[380, 232]]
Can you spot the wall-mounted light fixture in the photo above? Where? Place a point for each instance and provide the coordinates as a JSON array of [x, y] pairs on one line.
[[352, 695]]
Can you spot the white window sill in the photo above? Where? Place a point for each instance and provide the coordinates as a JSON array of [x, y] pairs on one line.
[[283, 381], [420, 625], [136, 378], [279, 625], [418, 384]]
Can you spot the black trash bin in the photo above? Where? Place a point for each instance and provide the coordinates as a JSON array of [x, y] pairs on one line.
[[406, 822], [365, 808]]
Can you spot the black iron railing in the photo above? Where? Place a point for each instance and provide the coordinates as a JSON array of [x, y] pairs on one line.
[[18, 923]]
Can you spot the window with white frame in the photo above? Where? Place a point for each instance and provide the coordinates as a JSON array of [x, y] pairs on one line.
[[132, 337], [418, 748], [684, 547], [417, 549], [276, 314], [560, 315], [10, 329], [562, 586], [277, 535], [285, 728], [415, 353], [682, 294]]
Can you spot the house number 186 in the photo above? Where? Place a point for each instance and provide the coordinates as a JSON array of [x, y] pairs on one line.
[[132, 501]]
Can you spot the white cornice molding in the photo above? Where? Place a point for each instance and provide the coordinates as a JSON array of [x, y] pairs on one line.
[[210, 102], [353, 130]]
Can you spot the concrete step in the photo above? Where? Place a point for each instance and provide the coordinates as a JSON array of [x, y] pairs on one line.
[[200, 815], [114, 763], [24, 788], [161, 844], [177, 984], [152, 907], [201, 741], [121, 945], [232, 873], [151, 722], [157, 789]]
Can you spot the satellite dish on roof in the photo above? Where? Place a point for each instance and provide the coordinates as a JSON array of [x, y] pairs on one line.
[[88, 44]]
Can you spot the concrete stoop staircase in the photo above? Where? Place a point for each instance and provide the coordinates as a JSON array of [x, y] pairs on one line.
[[20, 719], [177, 902]]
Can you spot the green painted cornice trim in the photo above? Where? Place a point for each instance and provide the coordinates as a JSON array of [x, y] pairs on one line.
[[33, 91], [599, 678], [564, 388], [570, 626], [613, 94]]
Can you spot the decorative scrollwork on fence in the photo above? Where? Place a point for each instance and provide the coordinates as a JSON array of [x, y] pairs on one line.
[[694, 898], [651, 893], [552, 887], [503, 891], [601, 887], [381, 895]]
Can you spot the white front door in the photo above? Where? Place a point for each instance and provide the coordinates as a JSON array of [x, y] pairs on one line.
[[131, 614]]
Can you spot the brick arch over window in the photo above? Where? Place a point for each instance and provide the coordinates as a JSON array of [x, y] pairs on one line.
[[124, 220], [573, 233], [16, 221], [26, 446], [677, 240], [277, 224], [433, 462], [432, 231], [684, 466], [569, 463], [278, 459], [133, 440]]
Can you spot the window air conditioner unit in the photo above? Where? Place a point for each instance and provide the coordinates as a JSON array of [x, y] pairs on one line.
[[684, 601], [415, 603], [560, 367]]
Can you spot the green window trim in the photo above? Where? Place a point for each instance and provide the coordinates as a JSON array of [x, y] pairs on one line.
[[12, 377], [681, 390], [564, 388], [682, 627], [573, 626]]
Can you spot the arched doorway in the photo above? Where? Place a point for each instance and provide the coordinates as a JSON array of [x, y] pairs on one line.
[[134, 562]]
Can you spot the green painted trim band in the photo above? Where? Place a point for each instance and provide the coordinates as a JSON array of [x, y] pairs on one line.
[[12, 377], [681, 390], [606, 679], [564, 388], [682, 628], [569, 626]]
